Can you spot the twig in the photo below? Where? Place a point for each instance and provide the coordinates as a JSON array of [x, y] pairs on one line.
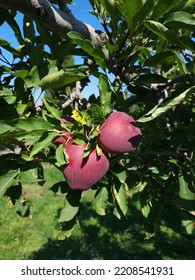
[[109, 34], [75, 96]]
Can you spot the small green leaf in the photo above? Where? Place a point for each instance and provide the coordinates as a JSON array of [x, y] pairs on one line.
[[7, 180], [93, 115], [22, 107], [88, 149], [161, 7], [65, 229], [98, 150], [52, 108], [59, 79], [71, 206], [8, 96], [182, 20], [188, 222], [119, 172], [101, 200], [29, 176], [120, 196], [158, 58], [186, 195], [6, 45], [150, 78], [61, 157], [43, 142], [181, 64], [4, 127], [105, 94], [87, 46], [135, 11]]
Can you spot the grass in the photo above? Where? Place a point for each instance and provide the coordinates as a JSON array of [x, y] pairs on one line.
[[95, 237]]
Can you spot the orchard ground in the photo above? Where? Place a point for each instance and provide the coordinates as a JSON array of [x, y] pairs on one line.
[[32, 237]]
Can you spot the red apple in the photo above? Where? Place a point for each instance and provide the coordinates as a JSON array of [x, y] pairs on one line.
[[119, 134], [66, 134], [82, 173]]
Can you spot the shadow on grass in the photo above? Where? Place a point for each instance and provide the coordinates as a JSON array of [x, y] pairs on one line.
[[109, 238]]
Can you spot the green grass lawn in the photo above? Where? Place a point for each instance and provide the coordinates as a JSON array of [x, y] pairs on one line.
[[95, 237]]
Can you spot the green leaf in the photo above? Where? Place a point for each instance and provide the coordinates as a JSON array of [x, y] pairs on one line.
[[7, 46], [34, 124], [188, 222], [181, 64], [61, 157], [8, 96], [182, 20], [43, 142], [119, 192], [7, 181], [29, 176], [101, 200], [169, 35], [40, 71], [65, 229], [119, 172], [28, 28], [16, 28], [71, 206], [64, 48], [150, 78], [105, 94], [87, 46], [186, 195], [112, 11], [162, 7], [165, 106], [93, 115], [59, 79], [4, 127], [149, 212], [135, 11], [158, 58], [90, 146], [21, 108], [52, 108], [129, 10]]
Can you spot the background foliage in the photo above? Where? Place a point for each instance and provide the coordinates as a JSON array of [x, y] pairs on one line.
[[151, 57]]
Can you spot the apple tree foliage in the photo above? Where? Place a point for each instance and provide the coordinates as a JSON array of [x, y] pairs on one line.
[[144, 66]]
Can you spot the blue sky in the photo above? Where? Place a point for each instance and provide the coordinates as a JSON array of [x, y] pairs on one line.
[[80, 11]]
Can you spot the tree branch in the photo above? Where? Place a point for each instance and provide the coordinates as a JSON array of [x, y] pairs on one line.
[[58, 21]]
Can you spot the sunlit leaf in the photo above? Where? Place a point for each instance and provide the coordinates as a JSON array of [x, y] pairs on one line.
[[170, 35], [105, 94], [120, 195], [71, 206], [6, 181], [165, 106], [52, 108], [101, 200], [182, 20], [43, 142]]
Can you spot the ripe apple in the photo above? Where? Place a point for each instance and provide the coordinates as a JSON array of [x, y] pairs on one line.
[[66, 134], [119, 134], [82, 173]]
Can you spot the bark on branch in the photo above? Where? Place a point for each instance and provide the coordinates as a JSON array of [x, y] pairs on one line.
[[58, 21]]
